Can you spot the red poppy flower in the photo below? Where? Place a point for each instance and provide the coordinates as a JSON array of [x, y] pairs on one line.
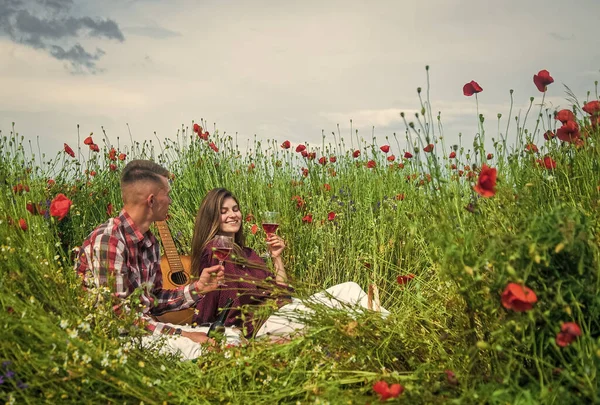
[[254, 229], [471, 88], [402, 280], [286, 145], [569, 132], [530, 147], [564, 116], [93, 173], [197, 128], [451, 377], [549, 163], [332, 172], [299, 201], [31, 208], [19, 188], [400, 197], [122, 156], [385, 148], [23, 224], [307, 218], [50, 182], [331, 216], [356, 154], [542, 79], [326, 187], [323, 160], [486, 184], [112, 154], [60, 205], [249, 218], [592, 108], [490, 156], [305, 172], [69, 151], [304, 153], [203, 135], [386, 391], [300, 148], [109, 209], [88, 141], [452, 155], [407, 155], [332, 159], [569, 331], [428, 148], [112, 167], [95, 147], [251, 167], [401, 165], [312, 155], [549, 135], [371, 164], [391, 158], [518, 298], [453, 166], [213, 146]]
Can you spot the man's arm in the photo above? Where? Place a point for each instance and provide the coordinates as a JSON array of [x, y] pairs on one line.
[[106, 266], [185, 296]]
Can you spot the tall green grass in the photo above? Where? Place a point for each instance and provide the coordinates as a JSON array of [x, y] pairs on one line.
[[540, 229]]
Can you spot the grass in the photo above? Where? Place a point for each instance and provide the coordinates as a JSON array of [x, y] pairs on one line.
[[417, 216]]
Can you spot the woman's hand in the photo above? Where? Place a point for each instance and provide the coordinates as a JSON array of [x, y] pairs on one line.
[[275, 245]]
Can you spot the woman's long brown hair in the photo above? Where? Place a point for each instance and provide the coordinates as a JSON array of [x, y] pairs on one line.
[[208, 223]]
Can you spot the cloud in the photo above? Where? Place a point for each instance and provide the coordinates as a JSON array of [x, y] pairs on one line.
[[46, 25], [152, 31]]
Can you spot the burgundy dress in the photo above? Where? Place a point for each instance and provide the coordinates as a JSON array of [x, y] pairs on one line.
[[247, 285]]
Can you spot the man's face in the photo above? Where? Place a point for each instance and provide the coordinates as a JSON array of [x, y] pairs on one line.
[[162, 200]]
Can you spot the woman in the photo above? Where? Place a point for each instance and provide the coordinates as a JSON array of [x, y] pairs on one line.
[[248, 280]]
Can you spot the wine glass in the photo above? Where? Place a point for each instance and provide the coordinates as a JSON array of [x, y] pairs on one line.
[[270, 223], [222, 247]]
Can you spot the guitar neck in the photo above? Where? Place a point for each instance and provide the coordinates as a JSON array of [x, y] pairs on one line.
[[169, 246]]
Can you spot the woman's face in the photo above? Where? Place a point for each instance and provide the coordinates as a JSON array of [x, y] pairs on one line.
[[231, 217]]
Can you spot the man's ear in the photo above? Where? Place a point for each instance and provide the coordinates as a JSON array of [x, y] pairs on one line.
[[150, 200]]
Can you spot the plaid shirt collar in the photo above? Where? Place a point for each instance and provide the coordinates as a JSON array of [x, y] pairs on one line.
[[133, 232]]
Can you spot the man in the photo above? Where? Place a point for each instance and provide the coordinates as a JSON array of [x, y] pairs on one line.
[[124, 255]]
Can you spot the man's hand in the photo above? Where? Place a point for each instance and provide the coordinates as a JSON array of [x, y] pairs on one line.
[[198, 337], [210, 278]]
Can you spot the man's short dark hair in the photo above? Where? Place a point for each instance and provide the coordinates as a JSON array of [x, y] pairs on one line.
[[143, 170]]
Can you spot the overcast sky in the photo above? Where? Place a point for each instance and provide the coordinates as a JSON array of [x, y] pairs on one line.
[[281, 69]]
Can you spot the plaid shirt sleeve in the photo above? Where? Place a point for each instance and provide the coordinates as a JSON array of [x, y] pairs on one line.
[[172, 300], [106, 267]]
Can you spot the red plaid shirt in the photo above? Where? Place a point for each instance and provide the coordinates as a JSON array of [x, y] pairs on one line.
[[122, 255]]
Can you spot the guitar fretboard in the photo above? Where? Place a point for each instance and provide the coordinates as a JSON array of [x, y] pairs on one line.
[[169, 247]]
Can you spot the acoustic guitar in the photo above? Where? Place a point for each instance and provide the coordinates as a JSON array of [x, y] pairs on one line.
[[176, 272]]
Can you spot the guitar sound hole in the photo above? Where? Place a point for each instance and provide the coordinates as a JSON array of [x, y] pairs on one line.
[[179, 278]]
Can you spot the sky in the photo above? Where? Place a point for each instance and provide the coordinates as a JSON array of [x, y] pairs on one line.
[[282, 70]]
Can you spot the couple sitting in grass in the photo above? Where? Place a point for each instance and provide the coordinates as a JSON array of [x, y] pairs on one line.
[[124, 255]]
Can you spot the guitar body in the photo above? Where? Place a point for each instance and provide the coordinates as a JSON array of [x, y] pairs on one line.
[[176, 272], [169, 280]]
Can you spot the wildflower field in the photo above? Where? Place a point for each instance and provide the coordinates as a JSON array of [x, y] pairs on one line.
[[486, 252]]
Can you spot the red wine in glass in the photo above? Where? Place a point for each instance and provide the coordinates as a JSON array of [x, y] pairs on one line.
[[222, 253], [222, 246], [270, 228]]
